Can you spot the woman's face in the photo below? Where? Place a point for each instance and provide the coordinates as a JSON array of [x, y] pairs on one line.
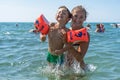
[[78, 17]]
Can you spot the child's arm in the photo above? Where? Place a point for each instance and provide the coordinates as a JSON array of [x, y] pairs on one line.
[[43, 36]]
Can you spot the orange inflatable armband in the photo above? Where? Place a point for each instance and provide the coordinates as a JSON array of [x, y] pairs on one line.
[[42, 25], [77, 35]]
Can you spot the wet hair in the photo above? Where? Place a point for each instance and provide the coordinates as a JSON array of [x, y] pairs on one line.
[[98, 25], [80, 8], [69, 14]]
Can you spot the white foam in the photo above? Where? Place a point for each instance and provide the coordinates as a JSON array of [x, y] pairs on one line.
[[91, 67], [63, 71]]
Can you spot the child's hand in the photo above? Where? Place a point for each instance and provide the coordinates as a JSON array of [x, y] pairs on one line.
[[42, 37]]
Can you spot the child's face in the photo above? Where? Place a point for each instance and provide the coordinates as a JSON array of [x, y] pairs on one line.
[[62, 15], [78, 17]]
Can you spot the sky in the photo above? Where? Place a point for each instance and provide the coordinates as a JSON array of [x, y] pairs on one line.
[[29, 10]]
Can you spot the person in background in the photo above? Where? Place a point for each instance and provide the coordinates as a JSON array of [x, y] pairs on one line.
[[88, 26], [100, 28], [97, 28], [35, 30]]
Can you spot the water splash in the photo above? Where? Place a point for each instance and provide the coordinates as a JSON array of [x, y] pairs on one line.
[[59, 72], [91, 68]]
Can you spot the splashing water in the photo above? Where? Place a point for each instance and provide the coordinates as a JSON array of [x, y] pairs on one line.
[[63, 71], [91, 67]]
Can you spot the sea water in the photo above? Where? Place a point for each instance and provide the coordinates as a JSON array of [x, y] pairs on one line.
[[23, 55]]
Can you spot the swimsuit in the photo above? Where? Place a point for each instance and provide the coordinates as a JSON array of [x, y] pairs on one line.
[[55, 59]]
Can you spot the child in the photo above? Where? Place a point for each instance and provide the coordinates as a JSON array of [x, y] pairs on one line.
[[79, 49], [56, 36]]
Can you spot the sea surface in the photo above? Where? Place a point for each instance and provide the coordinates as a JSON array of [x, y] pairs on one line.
[[23, 55]]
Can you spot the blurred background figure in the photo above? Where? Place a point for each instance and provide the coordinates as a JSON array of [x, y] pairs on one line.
[[88, 27], [115, 25], [100, 28]]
